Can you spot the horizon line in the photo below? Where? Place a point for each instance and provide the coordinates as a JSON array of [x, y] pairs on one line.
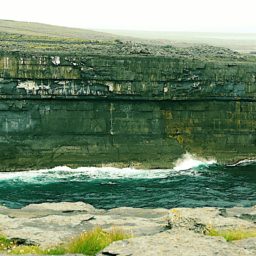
[[130, 30]]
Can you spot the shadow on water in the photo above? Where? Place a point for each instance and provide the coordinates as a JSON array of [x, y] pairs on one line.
[[214, 185]]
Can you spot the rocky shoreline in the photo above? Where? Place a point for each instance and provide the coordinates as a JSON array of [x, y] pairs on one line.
[[179, 231]]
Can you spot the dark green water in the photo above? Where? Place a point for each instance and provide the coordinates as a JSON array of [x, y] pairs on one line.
[[204, 185]]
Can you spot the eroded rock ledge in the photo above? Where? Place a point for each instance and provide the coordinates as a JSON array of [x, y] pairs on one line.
[[144, 110], [177, 231]]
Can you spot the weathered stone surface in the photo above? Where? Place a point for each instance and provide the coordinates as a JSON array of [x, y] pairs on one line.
[[199, 219], [240, 212], [176, 243], [176, 232], [52, 223], [249, 243], [60, 207]]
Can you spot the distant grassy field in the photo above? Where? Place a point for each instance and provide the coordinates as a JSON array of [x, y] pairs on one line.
[[38, 29], [239, 42], [36, 37]]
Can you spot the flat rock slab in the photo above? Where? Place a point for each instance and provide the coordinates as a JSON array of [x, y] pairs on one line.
[[175, 243], [173, 232], [249, 243], [241, 212], [199, 219], [50, 224]]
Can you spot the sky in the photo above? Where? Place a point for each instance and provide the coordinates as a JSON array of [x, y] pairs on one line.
[[148, 15]]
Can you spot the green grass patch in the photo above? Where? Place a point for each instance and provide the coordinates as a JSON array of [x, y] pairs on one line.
[[26, 249], [233, 234], [89, 243], [58, 250], [5, 243], [92, 242]]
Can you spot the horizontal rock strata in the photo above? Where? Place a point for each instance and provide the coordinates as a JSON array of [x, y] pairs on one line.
[[135, 109]]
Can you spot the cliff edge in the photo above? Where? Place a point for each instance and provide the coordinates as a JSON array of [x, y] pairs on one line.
[[77, 102]]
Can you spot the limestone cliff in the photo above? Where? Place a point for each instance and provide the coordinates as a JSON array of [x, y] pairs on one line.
[[124, 104]]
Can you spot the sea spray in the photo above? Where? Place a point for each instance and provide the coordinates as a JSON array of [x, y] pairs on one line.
[[189, 161]]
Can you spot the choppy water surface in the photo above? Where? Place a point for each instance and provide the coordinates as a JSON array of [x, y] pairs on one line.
[[192, 183]]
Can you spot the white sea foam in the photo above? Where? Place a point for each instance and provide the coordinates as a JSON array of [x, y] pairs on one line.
[[244, 162], [184, 166], [64, 174]]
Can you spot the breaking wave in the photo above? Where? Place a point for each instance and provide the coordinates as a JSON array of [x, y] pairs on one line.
[[188, 161], [193, 182], [185, 165]]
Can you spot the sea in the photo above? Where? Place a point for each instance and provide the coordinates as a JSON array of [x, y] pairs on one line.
[[193, 182]]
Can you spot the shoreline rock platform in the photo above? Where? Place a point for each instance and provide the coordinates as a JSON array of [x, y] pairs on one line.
[[179, 231]]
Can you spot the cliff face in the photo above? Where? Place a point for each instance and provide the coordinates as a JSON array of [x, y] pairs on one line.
[[140, 110]]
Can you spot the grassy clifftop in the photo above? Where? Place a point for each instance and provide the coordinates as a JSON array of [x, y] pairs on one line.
[[43, 30], [35, 38]]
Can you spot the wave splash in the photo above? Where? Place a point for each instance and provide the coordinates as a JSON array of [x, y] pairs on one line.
[[189, 161], [184, 166]]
